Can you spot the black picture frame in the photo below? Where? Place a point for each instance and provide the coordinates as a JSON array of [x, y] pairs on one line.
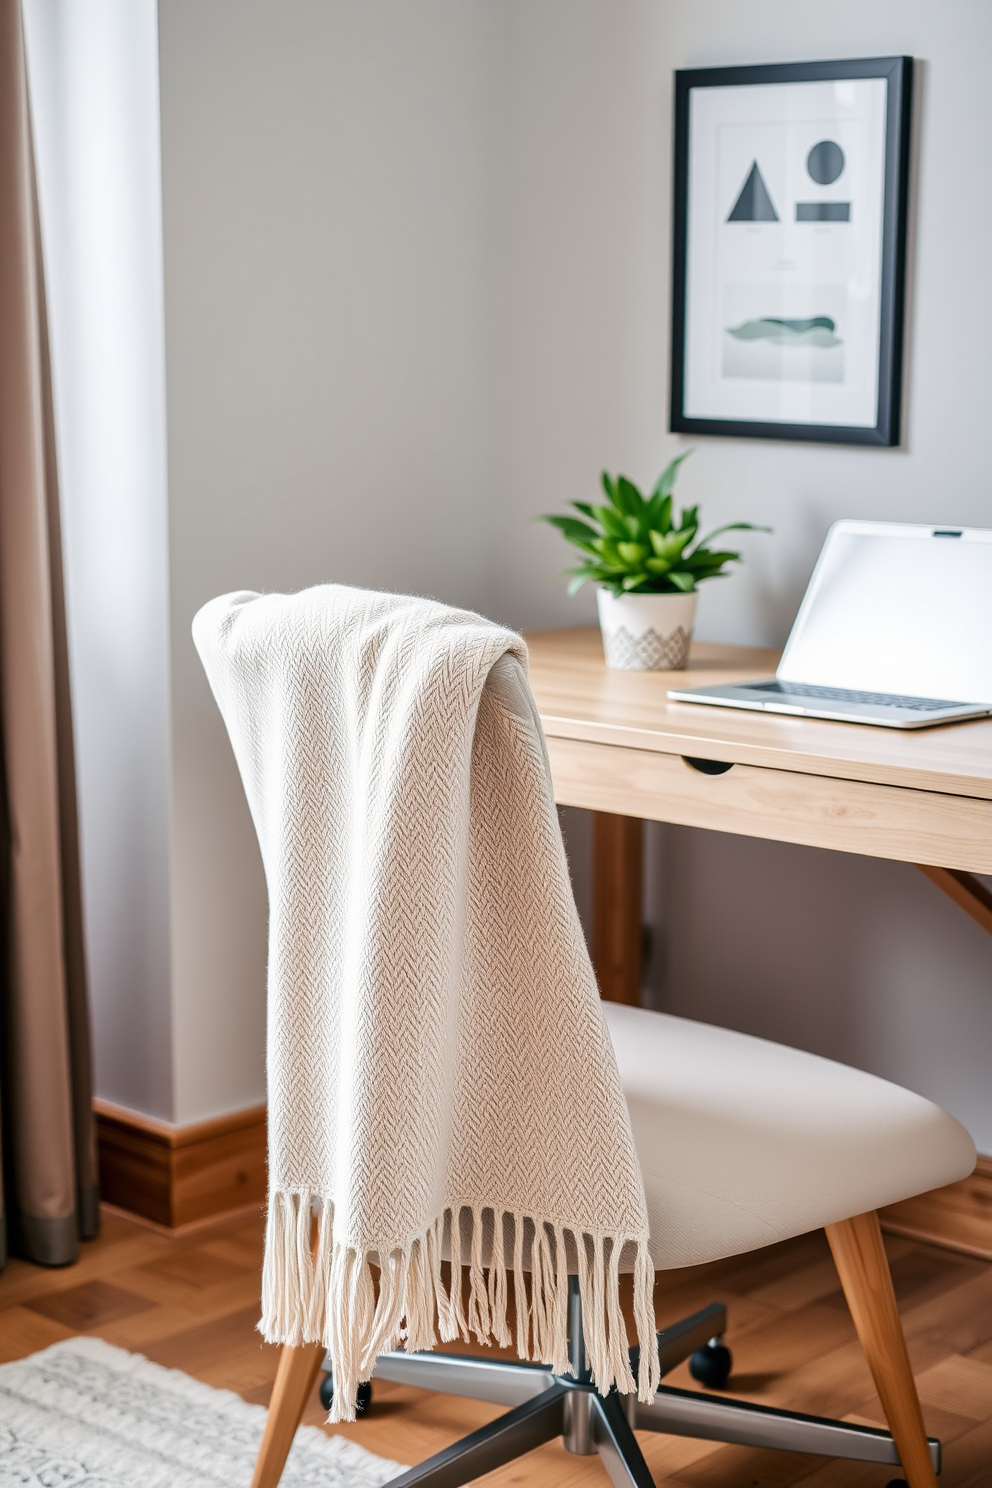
[[898, 74]]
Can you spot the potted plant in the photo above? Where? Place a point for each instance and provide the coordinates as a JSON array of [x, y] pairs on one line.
[[648, 568]]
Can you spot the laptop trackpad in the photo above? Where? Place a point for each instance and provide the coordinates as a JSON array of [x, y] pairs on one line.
[[772, 691]]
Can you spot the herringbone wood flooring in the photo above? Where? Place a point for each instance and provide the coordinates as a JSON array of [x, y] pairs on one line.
[[192, 1303]]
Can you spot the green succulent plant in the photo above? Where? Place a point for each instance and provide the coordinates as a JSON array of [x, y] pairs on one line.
[[633, 545]]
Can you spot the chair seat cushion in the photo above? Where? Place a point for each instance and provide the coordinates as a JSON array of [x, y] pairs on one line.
[[743, 1142]]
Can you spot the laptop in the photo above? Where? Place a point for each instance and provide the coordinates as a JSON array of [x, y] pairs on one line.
[[895, 629]]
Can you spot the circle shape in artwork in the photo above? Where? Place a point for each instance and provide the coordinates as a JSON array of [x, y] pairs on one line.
[[825, 162]]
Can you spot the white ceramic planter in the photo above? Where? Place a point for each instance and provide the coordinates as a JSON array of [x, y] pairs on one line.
[[646, 632]]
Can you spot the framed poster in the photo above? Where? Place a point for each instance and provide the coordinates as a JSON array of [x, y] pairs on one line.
[[789, 251]]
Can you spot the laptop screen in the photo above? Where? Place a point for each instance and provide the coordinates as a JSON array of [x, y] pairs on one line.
[[898, 609]]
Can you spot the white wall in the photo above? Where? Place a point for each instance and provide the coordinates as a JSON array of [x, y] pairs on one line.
[[850, 957], [330, 190], [416, 292], [94, 88]]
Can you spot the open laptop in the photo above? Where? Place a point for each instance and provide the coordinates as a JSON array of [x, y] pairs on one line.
[[895, 629]]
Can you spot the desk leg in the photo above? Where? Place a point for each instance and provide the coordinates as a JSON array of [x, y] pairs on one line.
[[618, 851], [967, 891]]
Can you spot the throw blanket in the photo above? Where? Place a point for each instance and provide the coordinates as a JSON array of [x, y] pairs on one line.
[[441, 1079]]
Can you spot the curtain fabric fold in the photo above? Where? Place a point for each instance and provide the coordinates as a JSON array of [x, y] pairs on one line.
[[49, 1195]]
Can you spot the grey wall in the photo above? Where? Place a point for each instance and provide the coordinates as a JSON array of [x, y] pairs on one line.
[[330, 181], [585, 355], [416, 292], [859, 959]]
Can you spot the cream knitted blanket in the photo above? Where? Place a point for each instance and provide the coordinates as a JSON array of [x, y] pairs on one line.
[[441, 1079]]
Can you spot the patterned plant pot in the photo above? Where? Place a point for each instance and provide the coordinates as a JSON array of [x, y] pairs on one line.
[[646, 632]]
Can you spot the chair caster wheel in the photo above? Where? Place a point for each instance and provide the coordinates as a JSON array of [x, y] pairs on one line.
[[362, 1400], [711, 1365]]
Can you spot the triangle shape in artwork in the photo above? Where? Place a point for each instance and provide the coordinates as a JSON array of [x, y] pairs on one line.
[[754, 203]]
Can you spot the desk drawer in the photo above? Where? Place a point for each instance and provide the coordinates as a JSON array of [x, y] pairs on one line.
[[880, 821]]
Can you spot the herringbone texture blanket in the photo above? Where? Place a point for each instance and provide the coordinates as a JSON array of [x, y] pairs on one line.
[[441, 1080]]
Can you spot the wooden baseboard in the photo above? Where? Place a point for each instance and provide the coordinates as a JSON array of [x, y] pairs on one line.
[[179, 1175], [958, 1217]]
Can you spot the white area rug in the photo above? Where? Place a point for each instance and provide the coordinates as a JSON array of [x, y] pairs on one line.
[[83, 1414]]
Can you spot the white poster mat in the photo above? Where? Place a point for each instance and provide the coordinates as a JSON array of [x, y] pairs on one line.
[[784, 252]]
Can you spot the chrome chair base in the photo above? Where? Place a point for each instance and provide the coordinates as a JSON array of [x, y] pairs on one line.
[[544, 1405]]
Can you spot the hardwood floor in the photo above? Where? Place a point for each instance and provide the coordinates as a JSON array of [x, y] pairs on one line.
[[192, 1303]]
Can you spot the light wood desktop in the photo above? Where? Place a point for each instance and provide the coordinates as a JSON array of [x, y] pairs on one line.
[[621, 749]]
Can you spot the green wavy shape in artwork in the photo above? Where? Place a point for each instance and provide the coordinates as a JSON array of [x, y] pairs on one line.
[[817, 330]]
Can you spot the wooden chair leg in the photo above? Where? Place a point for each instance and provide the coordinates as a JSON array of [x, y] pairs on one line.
[[298, 1368], [864, 1274]]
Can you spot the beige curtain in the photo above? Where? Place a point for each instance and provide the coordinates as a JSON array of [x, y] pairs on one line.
[[50, 1197]]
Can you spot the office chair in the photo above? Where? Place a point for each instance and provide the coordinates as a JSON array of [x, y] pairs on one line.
[[742, 1143]]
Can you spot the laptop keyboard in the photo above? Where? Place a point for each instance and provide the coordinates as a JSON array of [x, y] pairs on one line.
[[846, 695]]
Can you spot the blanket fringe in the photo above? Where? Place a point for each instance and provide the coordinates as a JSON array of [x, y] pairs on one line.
[[315, 1290]]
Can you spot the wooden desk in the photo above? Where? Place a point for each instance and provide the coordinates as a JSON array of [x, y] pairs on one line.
[[617, 744], [619, 748]]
